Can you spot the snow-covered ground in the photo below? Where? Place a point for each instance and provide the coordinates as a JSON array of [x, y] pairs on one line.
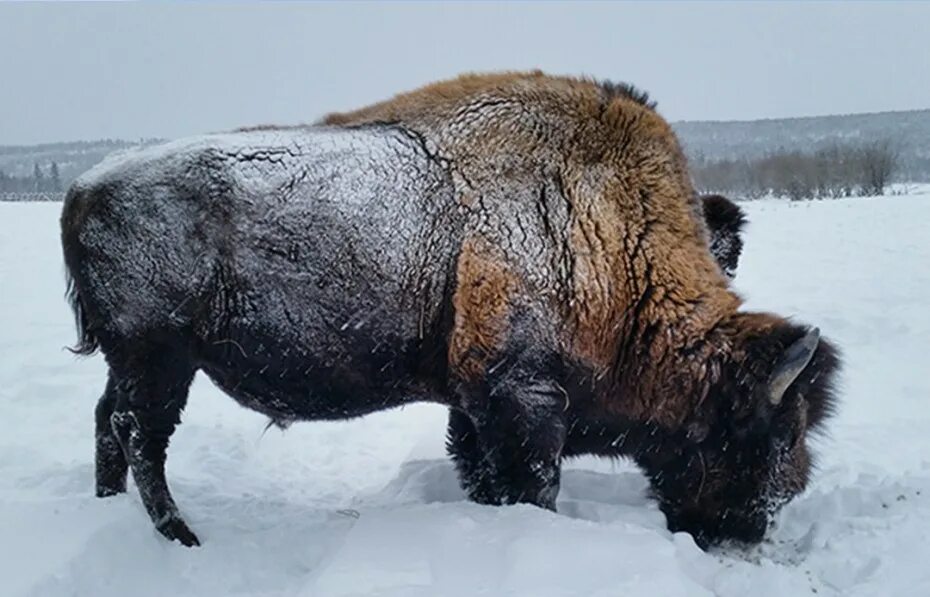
[[371, 507]]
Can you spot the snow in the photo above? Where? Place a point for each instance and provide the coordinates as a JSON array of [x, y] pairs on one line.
[[372, 507]]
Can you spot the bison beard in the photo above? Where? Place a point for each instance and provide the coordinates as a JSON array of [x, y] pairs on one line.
[[524, 249]]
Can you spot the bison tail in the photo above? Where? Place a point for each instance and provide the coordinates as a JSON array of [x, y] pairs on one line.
[[74, 211], [87, 343]]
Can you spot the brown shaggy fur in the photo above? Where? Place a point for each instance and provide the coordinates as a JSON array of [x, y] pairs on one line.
[[640, 291], [485, 287]]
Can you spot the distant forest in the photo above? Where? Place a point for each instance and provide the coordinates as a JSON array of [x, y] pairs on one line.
[[850, 170], [40, 181], [798, 158], [807, 158], [49, 168]]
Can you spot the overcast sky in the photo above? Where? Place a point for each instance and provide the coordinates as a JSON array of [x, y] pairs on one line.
[[87, 71]]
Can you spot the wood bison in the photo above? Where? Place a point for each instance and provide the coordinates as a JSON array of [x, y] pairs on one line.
[[524, 249]]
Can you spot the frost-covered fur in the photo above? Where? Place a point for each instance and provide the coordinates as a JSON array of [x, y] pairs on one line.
[[524, 249]]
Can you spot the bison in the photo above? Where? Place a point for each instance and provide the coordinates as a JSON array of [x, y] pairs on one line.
[[525, 249], [725, 221]]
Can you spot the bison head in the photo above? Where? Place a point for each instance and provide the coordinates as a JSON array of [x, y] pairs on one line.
[[743, 453]]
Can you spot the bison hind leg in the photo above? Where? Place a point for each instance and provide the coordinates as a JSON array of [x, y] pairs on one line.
[[111, 465], [153, 384]]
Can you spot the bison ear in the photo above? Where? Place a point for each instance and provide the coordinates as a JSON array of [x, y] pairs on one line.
[[793, 361], [722, 215]]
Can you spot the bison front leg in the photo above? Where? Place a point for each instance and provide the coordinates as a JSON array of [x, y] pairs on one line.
[[475, 471], [143, 420], [507, 381], [521, 433]]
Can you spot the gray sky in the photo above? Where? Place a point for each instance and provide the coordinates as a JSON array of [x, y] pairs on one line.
[[87, 71]]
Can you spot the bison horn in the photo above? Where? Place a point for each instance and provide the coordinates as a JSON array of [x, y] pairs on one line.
[[792, 364]]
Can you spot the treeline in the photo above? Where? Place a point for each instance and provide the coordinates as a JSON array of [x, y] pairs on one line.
[[831, 172], [31, 197], [41, 181], [72, 146]]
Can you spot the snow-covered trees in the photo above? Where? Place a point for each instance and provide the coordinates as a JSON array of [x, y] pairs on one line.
[[830, 172], [41, 182]]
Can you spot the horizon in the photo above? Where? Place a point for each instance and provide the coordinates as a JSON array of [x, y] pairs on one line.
[[673, 123]]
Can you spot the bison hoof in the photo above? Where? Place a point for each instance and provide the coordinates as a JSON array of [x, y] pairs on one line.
[[485, 497], [104, 491], [175, 529], [546, 498]]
